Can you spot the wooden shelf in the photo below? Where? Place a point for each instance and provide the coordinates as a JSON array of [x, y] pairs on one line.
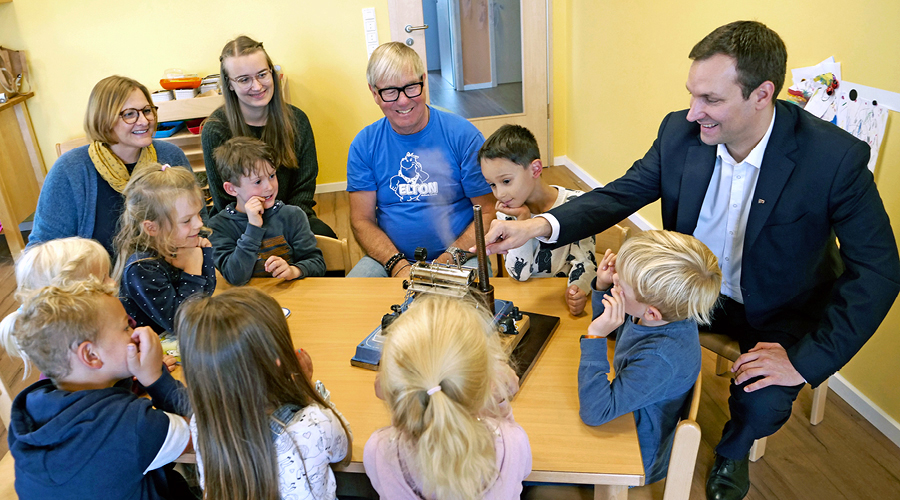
[[187, 109]]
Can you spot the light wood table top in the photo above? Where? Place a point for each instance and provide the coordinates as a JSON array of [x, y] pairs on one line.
[[330, 316]]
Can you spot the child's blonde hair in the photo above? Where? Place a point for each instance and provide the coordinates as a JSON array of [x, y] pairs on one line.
[[56, 319], [447, 343], [151, 195], [229, 347], [58, 262], [673, 272]]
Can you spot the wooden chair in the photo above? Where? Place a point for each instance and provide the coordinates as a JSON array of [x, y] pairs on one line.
[[685, 446], [336, 253], [62, 147], [612, 239], [727, 350]]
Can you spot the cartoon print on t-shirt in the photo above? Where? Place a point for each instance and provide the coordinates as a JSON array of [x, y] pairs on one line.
[[409, 183]]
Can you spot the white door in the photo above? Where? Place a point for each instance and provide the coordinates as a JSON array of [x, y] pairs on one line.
[[535, 41]]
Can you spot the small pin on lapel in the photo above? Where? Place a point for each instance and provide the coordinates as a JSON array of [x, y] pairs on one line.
[[761, 201]]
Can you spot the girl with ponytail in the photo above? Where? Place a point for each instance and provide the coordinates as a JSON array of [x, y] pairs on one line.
[[446, 381]]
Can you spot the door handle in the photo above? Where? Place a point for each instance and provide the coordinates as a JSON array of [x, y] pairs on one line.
[[410, 28]]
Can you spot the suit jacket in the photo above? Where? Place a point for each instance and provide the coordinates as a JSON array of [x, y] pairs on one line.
[[813, 185]]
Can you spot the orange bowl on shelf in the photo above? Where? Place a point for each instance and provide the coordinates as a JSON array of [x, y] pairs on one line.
[[180, 83]]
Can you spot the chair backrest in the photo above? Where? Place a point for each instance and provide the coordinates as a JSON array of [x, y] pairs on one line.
[[62, 147], [685, 446], [336, 253], [612, 239]]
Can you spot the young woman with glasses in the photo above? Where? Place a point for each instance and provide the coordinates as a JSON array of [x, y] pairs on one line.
[[255, 107], [82, 194]]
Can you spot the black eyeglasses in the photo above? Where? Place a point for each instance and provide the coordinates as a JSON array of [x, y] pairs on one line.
[[130, 115], [391, 94]]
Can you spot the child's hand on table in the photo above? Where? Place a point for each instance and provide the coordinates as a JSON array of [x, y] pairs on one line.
[[575, 299], [279, 268], [170, 362]]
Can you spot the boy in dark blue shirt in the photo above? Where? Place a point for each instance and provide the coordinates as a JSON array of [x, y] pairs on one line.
[[653, 294], [77, 434]]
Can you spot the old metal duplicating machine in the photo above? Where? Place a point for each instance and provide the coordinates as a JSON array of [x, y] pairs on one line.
[[458, 281]]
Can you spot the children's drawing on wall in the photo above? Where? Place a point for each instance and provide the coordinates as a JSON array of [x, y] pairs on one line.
[[862, 111], [863, 118]]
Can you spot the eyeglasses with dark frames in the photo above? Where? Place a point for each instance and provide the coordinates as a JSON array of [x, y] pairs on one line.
[[391, 94], [130, 115], [244, 81]]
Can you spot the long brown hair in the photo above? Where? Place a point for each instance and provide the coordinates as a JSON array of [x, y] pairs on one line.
[[229, 347], [278, 131]]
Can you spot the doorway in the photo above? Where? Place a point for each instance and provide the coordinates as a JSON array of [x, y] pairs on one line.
[[486, 59]]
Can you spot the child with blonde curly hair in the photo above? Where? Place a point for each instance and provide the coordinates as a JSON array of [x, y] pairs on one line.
[[78, 432]]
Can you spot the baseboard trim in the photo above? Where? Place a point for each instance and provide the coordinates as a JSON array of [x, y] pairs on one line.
[[868, 409], [331, 187], [588, 179]]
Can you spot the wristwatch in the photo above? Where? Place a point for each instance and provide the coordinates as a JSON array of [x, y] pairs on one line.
[[459, 255]]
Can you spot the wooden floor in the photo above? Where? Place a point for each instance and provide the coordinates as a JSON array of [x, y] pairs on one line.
[[504, 99], [844, 457]]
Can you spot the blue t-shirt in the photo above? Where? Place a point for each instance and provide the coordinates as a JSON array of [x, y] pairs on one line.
[[423, 181]]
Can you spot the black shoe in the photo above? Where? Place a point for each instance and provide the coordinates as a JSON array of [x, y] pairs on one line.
[[728, 479]]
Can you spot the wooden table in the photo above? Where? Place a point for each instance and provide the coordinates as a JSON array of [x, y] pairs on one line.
[[330, 316]]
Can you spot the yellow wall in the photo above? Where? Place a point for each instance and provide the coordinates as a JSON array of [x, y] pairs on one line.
[[72, 45], [618, 67], [626, 68]]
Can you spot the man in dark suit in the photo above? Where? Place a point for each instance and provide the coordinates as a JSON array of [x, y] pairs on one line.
[[767, 187]]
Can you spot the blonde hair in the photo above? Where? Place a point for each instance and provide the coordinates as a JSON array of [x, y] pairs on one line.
[[451, 344], [105, 104], [58, 262], [278, 131], [241, 157], [392, 61], [229, 347], [673, 272], [56, 319], [151, 195]]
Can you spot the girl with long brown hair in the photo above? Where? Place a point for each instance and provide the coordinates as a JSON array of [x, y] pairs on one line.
[[255, 107], [261, 429]]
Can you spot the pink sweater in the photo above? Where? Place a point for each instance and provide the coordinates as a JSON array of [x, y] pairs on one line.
[[384, 465]]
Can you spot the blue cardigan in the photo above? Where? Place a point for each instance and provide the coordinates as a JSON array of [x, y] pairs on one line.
[[68, 201]]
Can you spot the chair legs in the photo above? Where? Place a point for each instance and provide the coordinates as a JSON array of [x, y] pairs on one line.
[[818, 403], [758, 449], [723, 365]]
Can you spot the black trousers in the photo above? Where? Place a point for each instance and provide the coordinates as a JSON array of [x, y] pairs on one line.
[[757, 414]]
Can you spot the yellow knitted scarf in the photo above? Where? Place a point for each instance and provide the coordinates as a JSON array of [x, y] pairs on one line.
[[112, 169]]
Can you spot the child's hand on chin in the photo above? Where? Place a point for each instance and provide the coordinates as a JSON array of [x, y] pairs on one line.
[[255, 208], [145, 356], [520, 213], [613, 314]]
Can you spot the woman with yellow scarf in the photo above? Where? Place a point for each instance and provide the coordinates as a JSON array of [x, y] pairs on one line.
[[82, 194]]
